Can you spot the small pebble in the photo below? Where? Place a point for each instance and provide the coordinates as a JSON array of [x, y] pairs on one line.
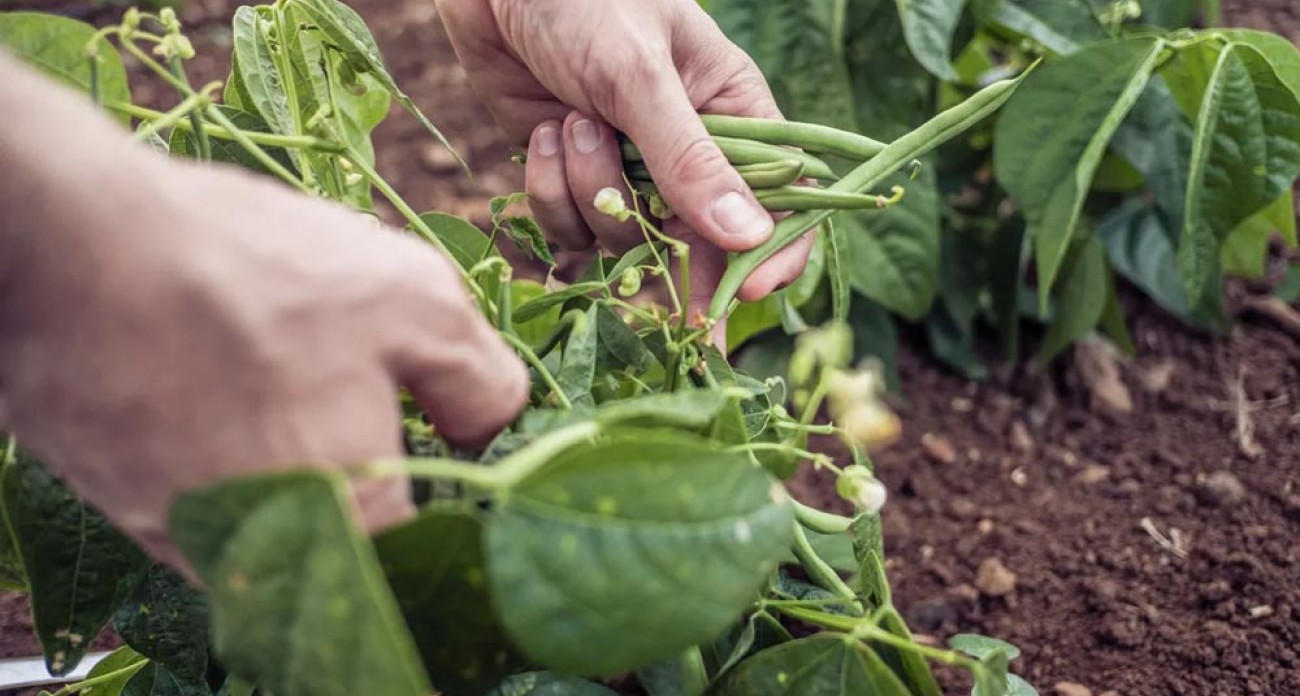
[[1221, 489], [1071, 689], [994, 579]]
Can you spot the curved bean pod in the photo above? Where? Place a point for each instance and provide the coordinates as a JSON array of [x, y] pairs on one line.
[[799, 198], [740, 152], [915, 144], [806, 136]]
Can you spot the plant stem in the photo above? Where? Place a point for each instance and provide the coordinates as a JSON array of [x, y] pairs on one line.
[[819, 521], [281, 60], [486, 477], [11, 451], [299, 142], [834, 622], [101, 679], [695, 678], [526, 352], [187, 107], [524, 462], [196, 120], [820, 571], [869, 631]]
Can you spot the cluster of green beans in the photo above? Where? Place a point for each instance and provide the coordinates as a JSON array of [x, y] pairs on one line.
[[778, 160]]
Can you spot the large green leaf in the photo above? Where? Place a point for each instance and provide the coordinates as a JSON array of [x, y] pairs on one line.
[[1140, 244], [893, 254], [1156, 139], [822, 665], [1062, 26], [548, 684], [1245, 250], [578, 366], [299, 603], [799, 46], [57, 46], [1081, 297], [929, 26], [889, 101], [434, 564], [166, 620], [255, 79], [79, 567], [1283, 55], [115, 670], [1169, 14], [627, 551], [155, 680], [1053, 134], [1246, 153], [465, 242]]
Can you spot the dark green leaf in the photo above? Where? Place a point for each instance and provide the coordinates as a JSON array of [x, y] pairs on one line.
[[533, 309], [688, 410], [1062, 26], [1113, 323], [1246, 153], [888, 102], [1169, 14], [57, 46], [235, 686], [1080, 298], [434, 564], [548, 684], [79, 567], [893, 254], [258, 82], [824, 665], [979, 647], [911, 668], [672, 537], [166, 620], [155, 680], [1289, 290], [1156, 139], [528, 236], [875, 338], [299, 603], [466, 243], [761, 631], [929, 26], [838, 269], [1245, 250], [578, 367], [619, 346], [1006, 258], [1046, 162], [535, 329], [183, 143]]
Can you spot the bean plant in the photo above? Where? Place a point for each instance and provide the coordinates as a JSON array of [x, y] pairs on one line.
[[1140, 150], [634, 521]]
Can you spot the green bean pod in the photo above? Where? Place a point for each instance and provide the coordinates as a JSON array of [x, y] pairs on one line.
[[741, 152], [865, 177], [799, 198], [806, 136], [772, 174]]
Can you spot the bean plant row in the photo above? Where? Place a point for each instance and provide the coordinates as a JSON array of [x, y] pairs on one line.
[[633, 521]]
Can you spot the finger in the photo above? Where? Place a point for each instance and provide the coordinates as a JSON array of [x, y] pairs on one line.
[[692, 174], [382, 503], [548, 192], [781, 270], [468, 381], [593, 161]]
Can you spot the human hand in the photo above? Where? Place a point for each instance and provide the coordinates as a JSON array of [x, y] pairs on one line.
[[209, 325], [562, 75]]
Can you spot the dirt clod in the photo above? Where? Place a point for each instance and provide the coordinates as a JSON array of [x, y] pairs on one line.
[[1071, 689], [993, 578], [939, 448], [1221, 489], [1097, 362]]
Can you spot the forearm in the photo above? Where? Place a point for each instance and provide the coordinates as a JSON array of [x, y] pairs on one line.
[[68, 171]]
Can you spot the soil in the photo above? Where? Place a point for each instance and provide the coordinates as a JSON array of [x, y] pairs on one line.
[[1145, 553]]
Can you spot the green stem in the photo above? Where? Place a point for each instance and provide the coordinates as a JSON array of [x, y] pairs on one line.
[[11, 452], [695, 677], [526, 352], [820, 521], [281, 59], [519, 465], [186, 108], [820, 571], [196, 120], [499, 477], [834, 622], [871, 632], [299, 142], [101, 679]]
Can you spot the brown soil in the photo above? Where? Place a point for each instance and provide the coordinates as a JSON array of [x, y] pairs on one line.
[[1152, 552]]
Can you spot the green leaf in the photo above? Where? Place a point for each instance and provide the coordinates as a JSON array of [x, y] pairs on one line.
[[1062, 26], [1156, 139], [979, 647], [538, 307], [166, 620], [1280, 53], [619, 347], [57, 46], [434, 564], [1245, 250], [799, 46], [79, 567], [183, 143], [1113, 323], [299, 603], [911, 668], [1246, 153], [1047, 161], [549, 684], [692, 409], [889, 101], [1080, 298], [348, 33], [235, 686], [929, 26], [535, 329], [838, 269], [624, 552], [528, 236], [761, 632], [256, 80], [875, 337], [123, 663], [155, 680], [824, 665], [991, 679], [465, 242], [1289, 290], [1017, 686], [893, 254], [578, 366]]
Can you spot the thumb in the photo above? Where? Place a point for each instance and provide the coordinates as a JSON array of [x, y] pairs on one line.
[[692, 174]]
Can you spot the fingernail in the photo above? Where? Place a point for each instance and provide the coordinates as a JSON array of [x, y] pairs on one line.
[[586, 137], [741, 217], [548, 141]]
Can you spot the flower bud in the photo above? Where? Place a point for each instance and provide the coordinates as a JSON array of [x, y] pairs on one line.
[[630, 282], [860, 487], [167, 18], [871, 424], [610, 201], [659, 207]]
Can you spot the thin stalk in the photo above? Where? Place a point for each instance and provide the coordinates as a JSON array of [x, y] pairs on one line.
[[834, 622], [477, 475], [820, 521], [186, 108], [526, 352], [820, 571], [196, 119], [870, 632], [299, 142]]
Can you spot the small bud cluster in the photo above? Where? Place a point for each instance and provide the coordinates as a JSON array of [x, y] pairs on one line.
[[859, 486]]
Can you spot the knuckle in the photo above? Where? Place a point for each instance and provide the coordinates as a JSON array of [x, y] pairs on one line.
[[697, 160]]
